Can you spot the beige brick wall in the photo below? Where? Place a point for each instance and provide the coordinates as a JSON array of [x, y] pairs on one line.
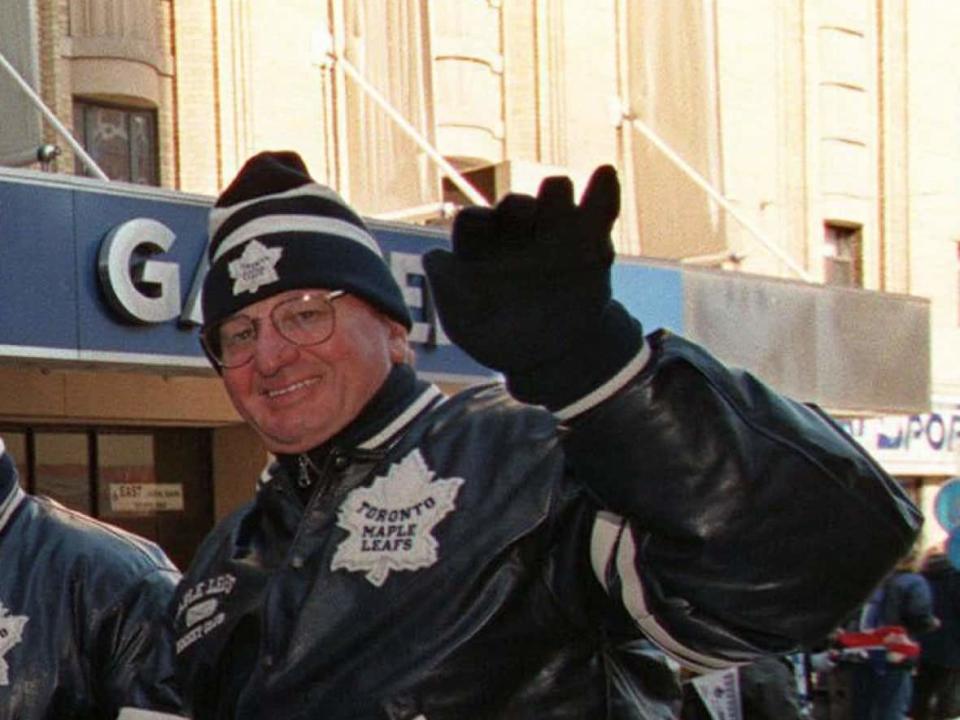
[[197, 124], [803, 111]]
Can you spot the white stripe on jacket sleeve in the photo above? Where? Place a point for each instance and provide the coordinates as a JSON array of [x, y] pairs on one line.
[[129, 713], [598, 395], [612, 540]]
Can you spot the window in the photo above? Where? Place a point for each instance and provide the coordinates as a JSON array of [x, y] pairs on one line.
[[121, 140], [842, 259], [156, 483], [62, 468]]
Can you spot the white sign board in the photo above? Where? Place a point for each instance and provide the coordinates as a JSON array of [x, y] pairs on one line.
[[145, 497], [925, 444]]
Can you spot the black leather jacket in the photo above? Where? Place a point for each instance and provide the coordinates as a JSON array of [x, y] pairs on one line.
[[474, 559], [81, 610]]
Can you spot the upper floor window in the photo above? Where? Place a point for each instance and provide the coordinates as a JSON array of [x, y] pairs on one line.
[[121, 140], [842, 255]]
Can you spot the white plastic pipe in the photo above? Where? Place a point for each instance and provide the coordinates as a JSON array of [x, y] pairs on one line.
[[648, 133], [53, 120], [455, 177]]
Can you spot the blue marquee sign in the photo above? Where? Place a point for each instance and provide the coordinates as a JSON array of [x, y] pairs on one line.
[[109, 273]]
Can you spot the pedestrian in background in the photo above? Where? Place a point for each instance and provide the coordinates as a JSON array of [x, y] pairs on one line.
[[882, 682], [937, 683]]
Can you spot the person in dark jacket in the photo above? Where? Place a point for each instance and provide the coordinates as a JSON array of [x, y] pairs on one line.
[[882, 684], [83, 606], [937, 683], [539, 548]]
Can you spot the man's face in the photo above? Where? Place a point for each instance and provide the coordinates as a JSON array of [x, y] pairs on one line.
[[297, 397]]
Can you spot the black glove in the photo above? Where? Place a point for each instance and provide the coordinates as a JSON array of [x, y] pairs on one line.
[[526, 290]]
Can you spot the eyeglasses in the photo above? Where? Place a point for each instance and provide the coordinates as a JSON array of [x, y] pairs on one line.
[[308, 319]]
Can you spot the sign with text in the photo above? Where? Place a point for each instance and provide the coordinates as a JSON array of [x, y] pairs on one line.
[[92, 272], [146, 497], [924, 444]]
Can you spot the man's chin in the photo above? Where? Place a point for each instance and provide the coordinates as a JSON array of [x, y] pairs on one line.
[[287, 442]]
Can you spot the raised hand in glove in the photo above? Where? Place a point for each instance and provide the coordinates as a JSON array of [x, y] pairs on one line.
[[526, 290]]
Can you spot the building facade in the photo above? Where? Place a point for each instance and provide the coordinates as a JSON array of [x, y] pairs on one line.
[[795, 164]]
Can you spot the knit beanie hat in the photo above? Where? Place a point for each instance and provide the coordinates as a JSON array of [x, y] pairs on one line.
[[274, 229]]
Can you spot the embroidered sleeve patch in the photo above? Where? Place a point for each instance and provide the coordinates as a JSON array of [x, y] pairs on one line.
[[200, 611], [390, 522]]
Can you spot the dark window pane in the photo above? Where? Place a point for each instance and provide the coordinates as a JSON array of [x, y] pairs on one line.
[[183, 459], [157, 485], [122, 141], [63, 469], [142, 165], [127, 482]]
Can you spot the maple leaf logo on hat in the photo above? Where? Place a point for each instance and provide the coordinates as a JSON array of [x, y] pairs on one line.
[[255, 267]]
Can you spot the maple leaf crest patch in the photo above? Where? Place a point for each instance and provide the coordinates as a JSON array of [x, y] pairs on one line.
[[11, 633], [256, 266], [390, 522]]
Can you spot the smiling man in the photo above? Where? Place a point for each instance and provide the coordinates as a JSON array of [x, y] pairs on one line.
[[292, 377], [534, 549]]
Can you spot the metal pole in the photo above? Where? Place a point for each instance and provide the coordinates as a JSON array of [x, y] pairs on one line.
[[455, 176], [53, 120], [648, 133]]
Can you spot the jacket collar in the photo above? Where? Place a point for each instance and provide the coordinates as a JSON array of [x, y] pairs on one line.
[[11, 494], [427, 397]]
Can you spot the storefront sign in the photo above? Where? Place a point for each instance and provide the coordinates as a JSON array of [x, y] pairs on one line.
[[925, 444], [95, 272], [142, 288], [145, 497], [138, 288]]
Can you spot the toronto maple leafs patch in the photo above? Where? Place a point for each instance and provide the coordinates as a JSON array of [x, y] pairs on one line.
[[11, 633], [390, 522], [256, 266]]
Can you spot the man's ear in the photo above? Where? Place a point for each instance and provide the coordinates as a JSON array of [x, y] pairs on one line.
[[398, 341]]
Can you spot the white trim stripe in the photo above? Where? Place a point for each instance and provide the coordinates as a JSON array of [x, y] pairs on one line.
[[218, 215], [129, 713], [272, 224], [603, 539], [597, 396], [635, 603], [10, 503], [265, 476], [13, 498], [414, 409]]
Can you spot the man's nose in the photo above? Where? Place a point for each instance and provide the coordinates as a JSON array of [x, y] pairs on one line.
[[272, 350]]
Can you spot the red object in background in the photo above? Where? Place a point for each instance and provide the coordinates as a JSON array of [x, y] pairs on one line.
[[891, 638]]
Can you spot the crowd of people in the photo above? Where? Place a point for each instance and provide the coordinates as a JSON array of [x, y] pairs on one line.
[[620, 514]]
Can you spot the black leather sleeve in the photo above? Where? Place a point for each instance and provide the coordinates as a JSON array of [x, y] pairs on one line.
[[737, 522], [137, 664]]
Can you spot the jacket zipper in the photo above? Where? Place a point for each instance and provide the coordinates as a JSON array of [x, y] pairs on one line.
[[308, 473]]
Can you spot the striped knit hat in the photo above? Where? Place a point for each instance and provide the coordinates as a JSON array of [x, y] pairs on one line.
[[274, 229]]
